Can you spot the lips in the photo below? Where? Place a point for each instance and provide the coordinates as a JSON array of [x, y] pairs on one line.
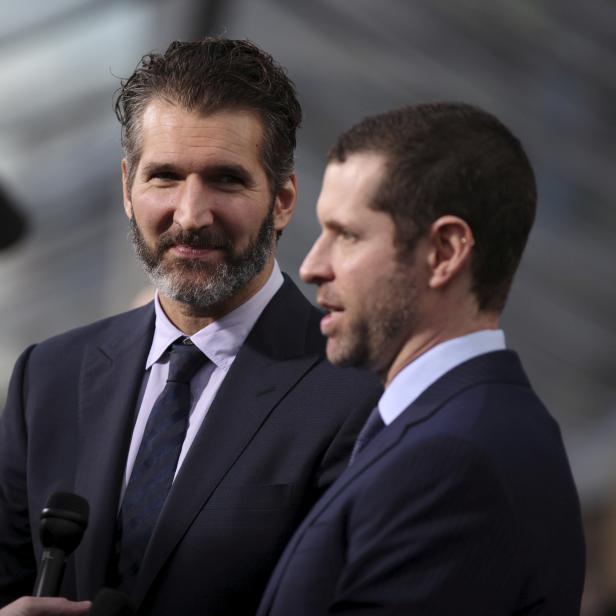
[[190, 252], [334, 314]]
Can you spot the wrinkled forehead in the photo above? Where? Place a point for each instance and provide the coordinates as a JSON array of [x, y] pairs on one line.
[[169, 120]]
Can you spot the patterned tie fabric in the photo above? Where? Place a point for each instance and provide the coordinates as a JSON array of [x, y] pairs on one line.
[[156, 462], [374, 424]]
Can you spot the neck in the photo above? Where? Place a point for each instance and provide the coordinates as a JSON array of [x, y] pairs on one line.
[[190, 319], [421, 342]]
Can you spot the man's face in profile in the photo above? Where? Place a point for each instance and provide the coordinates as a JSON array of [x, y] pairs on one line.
[[369, 294]]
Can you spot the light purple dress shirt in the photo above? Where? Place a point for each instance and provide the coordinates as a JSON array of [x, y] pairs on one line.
[[220, 341]]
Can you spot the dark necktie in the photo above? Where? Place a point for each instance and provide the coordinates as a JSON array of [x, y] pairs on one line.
[[156, 461], [374, 424]]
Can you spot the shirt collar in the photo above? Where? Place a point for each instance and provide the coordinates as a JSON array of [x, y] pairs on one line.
[[222, 339], [415, 378]]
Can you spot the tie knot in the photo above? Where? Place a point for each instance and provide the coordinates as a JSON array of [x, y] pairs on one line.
[[184, 361]]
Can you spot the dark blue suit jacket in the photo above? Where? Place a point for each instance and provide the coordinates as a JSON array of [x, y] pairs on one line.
[[277, 434], [463, 505]]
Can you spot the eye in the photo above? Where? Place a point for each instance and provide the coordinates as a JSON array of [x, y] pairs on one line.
[[164, 176], [346, 236], [228, 180]]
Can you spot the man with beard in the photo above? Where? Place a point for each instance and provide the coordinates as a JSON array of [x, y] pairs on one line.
[[203, 426], [459, 497]]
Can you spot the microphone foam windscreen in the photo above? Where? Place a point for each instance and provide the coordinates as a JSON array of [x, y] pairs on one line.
[[63, 521], [67, 505]]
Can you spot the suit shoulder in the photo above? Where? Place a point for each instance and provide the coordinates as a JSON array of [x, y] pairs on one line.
[[493, 412], [504, 428], [488, 398], [103, 331]]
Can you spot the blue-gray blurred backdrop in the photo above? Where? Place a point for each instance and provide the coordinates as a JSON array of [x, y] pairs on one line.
[[547, 69]]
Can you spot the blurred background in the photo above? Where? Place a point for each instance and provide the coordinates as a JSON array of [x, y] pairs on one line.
[[547, 69]]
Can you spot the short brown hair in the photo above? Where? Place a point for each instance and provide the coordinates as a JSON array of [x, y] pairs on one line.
[[212, 75], [453, 158]]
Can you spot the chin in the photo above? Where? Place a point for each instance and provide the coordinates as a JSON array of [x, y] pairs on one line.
[[344, 357], [334, 354]]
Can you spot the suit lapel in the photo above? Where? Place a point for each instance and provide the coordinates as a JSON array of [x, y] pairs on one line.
[[271, 361], [382, 442], [111, 377], [498, 367]]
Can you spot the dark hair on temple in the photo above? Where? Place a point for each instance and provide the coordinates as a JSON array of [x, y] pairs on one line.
[[212, 75], [453, 158]]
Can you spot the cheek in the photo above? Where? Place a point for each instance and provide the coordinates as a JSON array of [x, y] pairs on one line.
[[363, 285], [358, 277], [153, 210], [237, 223], [241, 220]]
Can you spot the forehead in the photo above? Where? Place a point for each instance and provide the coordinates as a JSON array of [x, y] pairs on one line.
[[349, 187], [169, 132]]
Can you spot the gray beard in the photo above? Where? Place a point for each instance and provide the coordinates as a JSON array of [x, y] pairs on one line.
[[198, 284]]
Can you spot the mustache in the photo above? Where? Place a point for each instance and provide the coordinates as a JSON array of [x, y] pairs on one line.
[[326, 297], [198, 238]]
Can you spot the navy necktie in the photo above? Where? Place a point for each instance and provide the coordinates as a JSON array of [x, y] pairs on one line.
[[156, 462], [374, 424]]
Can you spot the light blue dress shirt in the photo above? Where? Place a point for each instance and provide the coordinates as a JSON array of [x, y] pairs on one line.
[[415, 378]]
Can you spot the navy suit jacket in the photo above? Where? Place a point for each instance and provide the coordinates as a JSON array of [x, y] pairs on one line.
[[465, 504], [277, 434]]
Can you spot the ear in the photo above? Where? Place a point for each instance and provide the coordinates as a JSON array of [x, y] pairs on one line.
[[450, 247], [128, 206], [284, 205]]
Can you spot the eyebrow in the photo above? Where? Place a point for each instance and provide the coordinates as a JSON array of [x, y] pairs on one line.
[[150, 168], [210, 171], [334, 225]]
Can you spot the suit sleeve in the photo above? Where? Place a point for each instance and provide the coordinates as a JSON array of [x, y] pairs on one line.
[[17, 562], [433, 534]]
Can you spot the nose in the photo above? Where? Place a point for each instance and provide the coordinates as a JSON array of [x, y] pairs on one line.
[[193, 210], [316, 268]]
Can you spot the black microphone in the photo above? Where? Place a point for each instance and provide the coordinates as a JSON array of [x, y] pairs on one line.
[[63, 521], [111, 602]]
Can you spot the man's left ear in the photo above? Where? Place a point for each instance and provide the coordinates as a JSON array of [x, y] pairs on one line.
[[128, 207], [450, 246], [284, 205]]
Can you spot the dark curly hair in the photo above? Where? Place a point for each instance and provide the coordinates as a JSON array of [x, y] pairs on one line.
[[211, 75], [453, 158]]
